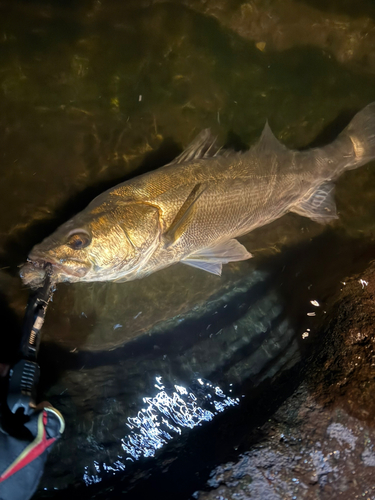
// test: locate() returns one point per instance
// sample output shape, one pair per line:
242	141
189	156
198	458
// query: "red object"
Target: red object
33	450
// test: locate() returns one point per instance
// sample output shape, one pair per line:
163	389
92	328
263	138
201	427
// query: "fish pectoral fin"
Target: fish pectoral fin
205	266
211	259
183	217
120	280
320	206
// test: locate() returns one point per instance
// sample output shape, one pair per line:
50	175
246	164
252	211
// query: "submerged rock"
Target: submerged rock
285	24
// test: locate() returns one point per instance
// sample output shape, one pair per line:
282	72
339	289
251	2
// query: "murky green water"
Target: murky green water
93	93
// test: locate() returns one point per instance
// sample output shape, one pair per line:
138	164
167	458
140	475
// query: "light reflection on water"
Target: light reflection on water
166	415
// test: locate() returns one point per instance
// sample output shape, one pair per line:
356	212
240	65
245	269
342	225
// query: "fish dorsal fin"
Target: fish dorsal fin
211	259
183	217
268	143
320	205
203	146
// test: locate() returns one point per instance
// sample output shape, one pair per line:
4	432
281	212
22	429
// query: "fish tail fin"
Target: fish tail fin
361	133
356	143
354	147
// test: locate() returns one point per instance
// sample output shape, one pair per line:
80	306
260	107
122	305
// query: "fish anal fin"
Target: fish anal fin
183	217
211	259
320	206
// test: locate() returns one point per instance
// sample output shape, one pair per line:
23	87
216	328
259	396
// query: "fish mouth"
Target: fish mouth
61	269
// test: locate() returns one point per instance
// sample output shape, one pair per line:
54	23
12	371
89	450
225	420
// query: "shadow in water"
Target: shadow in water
333	129
10	332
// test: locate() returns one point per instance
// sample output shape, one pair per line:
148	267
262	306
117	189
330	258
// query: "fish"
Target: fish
192	210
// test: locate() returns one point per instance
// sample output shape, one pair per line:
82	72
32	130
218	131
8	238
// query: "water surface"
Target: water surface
93	93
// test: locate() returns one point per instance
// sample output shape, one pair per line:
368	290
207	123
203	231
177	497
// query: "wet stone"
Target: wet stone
342	463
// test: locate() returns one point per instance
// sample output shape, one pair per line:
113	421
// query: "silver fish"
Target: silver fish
193	209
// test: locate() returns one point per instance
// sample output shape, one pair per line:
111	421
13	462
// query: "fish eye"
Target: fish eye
78	240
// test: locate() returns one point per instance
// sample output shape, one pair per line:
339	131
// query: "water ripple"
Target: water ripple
163	418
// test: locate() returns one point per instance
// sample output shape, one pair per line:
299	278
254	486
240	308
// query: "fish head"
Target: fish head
102	244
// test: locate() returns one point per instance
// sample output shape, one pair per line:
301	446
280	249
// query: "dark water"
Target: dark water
162	378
